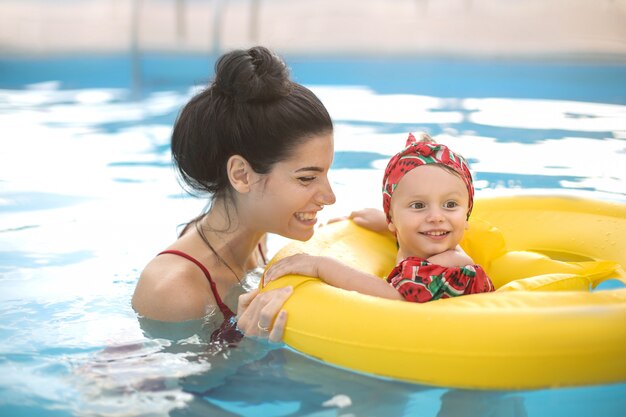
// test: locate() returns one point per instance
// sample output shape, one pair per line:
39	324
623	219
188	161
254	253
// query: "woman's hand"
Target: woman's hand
261	314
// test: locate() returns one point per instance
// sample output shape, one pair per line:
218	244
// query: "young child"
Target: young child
427	199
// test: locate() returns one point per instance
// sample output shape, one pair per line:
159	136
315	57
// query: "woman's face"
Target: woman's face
290	196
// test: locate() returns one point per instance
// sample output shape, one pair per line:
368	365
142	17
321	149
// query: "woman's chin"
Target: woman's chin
301	233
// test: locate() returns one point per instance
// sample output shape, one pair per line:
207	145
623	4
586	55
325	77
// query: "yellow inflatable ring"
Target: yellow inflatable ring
543	327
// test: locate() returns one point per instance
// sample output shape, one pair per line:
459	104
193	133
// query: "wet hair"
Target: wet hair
253	109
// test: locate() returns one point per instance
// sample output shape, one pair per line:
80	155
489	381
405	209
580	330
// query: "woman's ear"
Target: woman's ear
239	173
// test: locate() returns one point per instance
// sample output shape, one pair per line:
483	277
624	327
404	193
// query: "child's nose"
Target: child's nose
435	215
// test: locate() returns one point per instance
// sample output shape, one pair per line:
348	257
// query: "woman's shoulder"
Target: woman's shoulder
171	288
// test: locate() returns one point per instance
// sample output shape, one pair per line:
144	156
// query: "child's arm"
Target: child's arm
451	258
332	272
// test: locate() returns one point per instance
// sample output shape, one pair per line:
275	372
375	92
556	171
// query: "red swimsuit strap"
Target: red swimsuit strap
223	307
262	254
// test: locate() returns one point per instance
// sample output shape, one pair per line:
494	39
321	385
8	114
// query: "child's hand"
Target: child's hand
451	258
370	218
299	264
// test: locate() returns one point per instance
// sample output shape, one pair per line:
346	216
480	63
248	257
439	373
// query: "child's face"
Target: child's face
428	211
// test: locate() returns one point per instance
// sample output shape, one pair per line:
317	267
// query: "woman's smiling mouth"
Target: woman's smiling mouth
306	217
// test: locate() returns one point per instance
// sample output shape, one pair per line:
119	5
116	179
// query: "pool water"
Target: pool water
88	196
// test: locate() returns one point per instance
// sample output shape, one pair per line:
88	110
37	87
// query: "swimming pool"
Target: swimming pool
88	196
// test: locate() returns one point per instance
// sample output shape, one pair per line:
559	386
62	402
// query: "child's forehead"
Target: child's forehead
430	178
431	170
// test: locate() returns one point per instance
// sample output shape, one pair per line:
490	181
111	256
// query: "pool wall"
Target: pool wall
581	28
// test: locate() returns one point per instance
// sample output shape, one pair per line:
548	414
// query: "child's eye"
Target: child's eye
450	204
417	205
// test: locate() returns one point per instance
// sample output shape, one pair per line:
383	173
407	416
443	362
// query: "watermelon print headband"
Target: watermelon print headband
423	153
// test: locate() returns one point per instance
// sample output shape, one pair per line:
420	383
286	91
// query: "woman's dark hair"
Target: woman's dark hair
251	109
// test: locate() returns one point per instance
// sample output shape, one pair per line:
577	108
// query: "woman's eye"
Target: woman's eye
306	180
450	204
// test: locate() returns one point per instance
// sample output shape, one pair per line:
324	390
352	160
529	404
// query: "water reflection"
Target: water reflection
12	260
548	114
19	201
87	196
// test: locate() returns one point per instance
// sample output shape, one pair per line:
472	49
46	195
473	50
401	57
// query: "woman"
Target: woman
261	146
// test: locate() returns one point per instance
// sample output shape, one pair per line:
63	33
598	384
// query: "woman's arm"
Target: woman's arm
182	295
255	312
172	292
332	272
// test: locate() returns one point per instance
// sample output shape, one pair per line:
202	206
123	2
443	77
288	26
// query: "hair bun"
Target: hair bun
255	74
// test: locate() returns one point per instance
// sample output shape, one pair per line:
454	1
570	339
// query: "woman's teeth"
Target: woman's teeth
305	217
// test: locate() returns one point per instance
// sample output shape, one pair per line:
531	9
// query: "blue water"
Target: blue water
88	196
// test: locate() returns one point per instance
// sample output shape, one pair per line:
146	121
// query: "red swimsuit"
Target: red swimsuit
227	332
223	307
421	281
